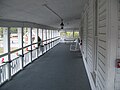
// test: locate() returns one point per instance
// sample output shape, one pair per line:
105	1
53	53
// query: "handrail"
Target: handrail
11	60
1	65
3	55
17	64
28	46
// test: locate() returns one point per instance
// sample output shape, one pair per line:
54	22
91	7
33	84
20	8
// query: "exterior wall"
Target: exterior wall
84	36
117	73
104	37
90	36
102	44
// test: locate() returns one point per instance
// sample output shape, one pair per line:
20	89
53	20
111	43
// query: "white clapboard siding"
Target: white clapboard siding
90	36
84	36
102	51
117	78
118	50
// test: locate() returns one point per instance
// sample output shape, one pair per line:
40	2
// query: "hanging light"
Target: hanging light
61	27
62	24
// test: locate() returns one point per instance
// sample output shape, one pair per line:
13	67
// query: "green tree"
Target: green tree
13	30
25	30
76	34
69	34
1	32
62	34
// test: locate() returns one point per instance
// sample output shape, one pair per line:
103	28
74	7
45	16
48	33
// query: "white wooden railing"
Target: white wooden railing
11	67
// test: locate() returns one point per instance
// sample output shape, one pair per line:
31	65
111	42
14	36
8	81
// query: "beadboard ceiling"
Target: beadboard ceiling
35	11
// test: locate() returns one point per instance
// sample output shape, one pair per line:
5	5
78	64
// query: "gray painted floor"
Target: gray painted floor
58	69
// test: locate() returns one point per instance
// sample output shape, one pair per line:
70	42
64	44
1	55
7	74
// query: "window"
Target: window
34	37
67	34
3	40
14	42
3	44
40	35
76	34
26	39
44	36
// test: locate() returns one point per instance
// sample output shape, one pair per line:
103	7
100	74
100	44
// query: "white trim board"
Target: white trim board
89	75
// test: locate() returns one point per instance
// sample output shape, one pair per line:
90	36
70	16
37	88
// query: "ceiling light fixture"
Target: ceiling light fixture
62	24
